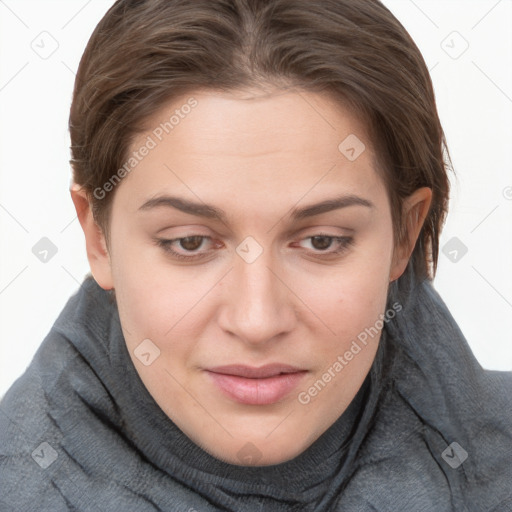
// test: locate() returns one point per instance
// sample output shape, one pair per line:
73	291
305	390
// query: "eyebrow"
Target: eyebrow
211	212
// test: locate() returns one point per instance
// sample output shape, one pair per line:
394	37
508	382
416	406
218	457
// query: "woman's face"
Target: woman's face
252	230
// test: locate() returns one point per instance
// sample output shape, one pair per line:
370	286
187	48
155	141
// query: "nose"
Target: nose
258	306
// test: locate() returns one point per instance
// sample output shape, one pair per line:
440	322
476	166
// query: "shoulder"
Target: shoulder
443	427
28	437
38	411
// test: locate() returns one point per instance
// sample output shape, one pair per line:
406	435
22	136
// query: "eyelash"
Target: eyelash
344	243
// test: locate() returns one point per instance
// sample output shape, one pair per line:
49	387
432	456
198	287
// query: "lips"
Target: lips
256	386
252	372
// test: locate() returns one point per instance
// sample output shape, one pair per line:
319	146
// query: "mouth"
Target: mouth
256	386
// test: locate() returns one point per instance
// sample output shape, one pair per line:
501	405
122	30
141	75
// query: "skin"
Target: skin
257	156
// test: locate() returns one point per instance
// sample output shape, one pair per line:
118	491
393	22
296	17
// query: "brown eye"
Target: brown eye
327	245
189	248
321	243
191	243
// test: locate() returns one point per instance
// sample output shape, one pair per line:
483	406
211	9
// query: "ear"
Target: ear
97	252
415	210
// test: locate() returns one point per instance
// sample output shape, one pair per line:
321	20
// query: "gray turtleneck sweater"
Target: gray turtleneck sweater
429	430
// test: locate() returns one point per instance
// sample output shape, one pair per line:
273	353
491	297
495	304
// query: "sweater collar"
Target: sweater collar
158	439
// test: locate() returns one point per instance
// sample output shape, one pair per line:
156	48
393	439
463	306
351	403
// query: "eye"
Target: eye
190	246
322	244
191	243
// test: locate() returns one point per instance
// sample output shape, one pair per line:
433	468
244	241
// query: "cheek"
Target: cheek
159	301
345	309
353	294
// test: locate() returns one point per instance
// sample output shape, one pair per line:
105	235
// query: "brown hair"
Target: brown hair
145	52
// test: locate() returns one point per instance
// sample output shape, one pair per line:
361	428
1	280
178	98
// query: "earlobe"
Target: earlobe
415	210
97	252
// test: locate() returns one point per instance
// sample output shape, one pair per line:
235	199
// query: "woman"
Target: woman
261	185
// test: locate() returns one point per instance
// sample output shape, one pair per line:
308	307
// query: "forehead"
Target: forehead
252	142
254	121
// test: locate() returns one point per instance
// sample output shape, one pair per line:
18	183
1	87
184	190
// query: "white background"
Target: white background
474	94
